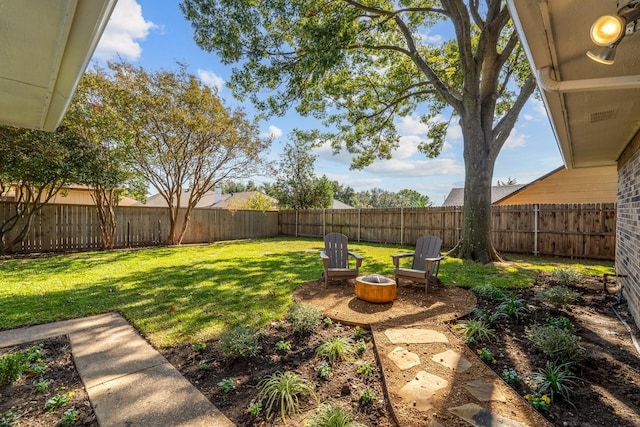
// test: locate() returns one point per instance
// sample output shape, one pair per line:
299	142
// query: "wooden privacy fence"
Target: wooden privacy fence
61	227
572	230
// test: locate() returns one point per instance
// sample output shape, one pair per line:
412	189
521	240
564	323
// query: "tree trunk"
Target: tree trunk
479	161
105	200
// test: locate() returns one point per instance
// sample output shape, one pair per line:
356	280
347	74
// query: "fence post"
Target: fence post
359	224
536	209
296	222
401	225
129	233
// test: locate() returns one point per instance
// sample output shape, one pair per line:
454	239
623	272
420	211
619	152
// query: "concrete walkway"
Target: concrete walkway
129	383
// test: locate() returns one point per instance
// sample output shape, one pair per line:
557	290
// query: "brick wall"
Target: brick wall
628	225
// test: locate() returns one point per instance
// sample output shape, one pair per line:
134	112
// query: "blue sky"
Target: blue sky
155	35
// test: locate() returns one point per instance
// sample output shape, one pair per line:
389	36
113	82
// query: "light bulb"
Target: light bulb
607	29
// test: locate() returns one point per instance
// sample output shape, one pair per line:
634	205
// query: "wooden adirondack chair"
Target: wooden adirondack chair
335	258
426	261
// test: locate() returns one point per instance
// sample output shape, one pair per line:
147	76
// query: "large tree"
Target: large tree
183	137
359	64
35	166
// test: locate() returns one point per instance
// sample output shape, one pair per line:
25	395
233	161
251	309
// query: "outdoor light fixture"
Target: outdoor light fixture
609	30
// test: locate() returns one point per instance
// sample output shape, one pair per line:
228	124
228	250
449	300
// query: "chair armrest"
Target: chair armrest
396	258
323	255
358	258
434	259
325	259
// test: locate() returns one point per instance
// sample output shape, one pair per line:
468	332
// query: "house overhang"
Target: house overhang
45	47
594	109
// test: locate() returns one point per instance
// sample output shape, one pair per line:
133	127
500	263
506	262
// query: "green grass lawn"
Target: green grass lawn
186	294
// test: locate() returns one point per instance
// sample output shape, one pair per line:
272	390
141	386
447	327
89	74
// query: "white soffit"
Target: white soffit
45	47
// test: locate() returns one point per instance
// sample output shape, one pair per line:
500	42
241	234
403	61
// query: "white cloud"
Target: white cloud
411	125
273	132
408	169
125	29
211	79
515	140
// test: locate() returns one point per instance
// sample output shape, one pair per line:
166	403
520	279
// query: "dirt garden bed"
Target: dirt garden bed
607	393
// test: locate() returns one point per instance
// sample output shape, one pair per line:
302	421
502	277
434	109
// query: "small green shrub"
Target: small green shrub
255	409
485	316
282	391
485	355
474	331
324	371
42	386
69	417
541	403
239	342
360	333
12	366
333	416
365	370
510	376
566	276
327	322
367	397
557	296
337	348
55	402
361	347
226	385
304	318
7	418
489	290
283	346
512	306
556	379
560	345
199	346
560	322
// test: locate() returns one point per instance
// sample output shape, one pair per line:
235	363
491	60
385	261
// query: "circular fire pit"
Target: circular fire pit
375	288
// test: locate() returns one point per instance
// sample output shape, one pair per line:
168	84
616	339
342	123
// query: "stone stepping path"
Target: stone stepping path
437	381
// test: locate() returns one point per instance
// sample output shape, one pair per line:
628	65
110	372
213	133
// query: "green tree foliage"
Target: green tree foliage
182	136
361	64
35	166
110	174
296	186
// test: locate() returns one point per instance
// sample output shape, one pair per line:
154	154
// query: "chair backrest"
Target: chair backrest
426	247
336	248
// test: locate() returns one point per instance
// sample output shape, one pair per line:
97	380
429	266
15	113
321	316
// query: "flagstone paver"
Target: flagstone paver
403	358
485	391
478	416
452	360
421	389
415	336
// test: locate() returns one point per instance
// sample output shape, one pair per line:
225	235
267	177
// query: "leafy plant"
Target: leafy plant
37	368
557	296
324	371
226	385
42	386
337	348
69	417
560	345
489	290
57	401
199	346
361	347
510	376
282	391
367	397
333	416
541	403
485	316
327	322
366	370
360	333
239	342
12	366
304	318
255	409
512	306
203	365
566	276
474	331
556	379
7	418
561	323
485	355
283	346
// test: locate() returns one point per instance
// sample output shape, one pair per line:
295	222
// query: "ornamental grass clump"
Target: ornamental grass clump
239	342
488	290
557	296
556	380
474	331
560	345
333	416
512	306
304	318
566	276
337	348
282	392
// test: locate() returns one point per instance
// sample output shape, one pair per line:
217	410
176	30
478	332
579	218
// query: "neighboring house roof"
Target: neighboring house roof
71	194
337	204
211	199
498	192
46	48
